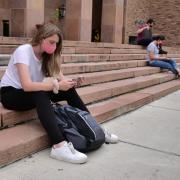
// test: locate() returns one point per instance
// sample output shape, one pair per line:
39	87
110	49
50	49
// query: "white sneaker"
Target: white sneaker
68	153
110	138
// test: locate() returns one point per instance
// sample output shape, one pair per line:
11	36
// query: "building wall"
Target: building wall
166	14
14	11
50	8
134	9
4	14
51	16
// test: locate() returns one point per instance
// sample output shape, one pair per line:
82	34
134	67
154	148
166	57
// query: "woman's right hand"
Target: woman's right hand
66	84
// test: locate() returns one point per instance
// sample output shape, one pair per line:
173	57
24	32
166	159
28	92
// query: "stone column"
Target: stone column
17	12
112	21
78	20
34	15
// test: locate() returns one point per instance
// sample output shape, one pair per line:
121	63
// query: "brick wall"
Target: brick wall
135	9
166	13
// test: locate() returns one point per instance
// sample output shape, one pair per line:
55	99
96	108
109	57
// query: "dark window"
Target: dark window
5	27
132	40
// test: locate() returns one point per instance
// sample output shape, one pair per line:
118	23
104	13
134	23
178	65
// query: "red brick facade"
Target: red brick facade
165	13
135	9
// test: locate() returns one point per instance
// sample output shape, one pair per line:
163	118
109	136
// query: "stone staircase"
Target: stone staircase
117	80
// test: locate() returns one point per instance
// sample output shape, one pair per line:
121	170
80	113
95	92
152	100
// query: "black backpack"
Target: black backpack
79	127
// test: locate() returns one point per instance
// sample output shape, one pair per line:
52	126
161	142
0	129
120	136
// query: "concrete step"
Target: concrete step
100	50
85	58
93	94
119	105
72	68
22	140
106	76
99	92
67	43
83	68
8	49
13	40
2	70
4	59
76	58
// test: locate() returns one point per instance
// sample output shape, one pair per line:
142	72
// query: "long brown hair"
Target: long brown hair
50	62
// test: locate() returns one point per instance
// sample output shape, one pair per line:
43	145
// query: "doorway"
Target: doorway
96	21
6	28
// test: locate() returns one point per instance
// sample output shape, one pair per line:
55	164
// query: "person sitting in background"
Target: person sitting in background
145	36
156	60
144	32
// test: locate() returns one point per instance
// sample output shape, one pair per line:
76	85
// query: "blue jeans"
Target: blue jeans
166	64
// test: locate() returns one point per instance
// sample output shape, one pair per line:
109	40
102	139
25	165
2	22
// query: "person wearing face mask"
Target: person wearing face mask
23	87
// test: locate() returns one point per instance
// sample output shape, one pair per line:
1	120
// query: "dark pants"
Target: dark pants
144	42
19	100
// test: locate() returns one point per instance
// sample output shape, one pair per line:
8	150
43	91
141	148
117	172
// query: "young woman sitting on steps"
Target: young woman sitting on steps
23	88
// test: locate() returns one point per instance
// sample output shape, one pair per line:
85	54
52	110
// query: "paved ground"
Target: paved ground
149	149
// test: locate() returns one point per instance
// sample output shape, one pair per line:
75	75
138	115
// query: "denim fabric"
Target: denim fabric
166	64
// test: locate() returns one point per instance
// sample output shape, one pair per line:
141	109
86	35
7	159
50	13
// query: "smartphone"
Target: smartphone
78	81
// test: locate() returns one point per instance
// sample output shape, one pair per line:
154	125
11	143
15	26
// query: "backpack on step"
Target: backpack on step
79	127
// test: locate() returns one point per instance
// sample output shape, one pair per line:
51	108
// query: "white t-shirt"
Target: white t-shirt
152	47
23	54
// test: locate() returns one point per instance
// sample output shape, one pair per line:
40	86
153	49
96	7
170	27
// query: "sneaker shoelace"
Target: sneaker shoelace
71	147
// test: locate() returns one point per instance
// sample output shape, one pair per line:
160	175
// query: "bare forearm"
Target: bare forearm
140	31
38	86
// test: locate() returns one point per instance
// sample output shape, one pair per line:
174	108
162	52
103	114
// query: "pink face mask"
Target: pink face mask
48	48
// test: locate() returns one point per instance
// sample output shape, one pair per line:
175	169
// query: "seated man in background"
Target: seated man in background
156	60
144	34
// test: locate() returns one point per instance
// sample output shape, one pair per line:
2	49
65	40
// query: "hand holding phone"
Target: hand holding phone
78	81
